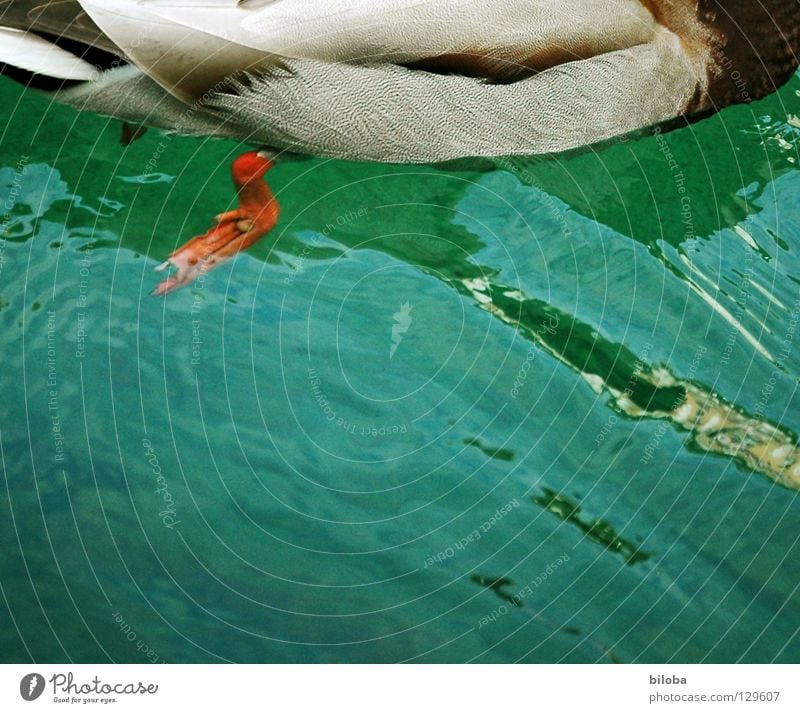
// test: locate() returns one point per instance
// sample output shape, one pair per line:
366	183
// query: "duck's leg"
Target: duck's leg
234	230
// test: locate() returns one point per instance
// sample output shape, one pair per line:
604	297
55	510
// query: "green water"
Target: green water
389	431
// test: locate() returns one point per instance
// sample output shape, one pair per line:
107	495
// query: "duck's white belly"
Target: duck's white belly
596	68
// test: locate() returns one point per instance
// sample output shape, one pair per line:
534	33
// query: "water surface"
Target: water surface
439	414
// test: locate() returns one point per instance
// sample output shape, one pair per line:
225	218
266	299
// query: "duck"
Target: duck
399	81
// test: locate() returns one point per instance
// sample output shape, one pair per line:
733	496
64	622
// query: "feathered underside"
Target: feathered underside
403	80
330	109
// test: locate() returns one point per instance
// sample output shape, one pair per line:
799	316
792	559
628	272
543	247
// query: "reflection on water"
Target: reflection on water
501	586
643	391
499	453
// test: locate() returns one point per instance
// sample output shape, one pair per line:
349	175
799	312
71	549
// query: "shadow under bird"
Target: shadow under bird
392	80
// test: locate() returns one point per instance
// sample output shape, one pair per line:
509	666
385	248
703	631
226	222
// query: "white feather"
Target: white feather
31	52
390	113
407	30
345	94
189	46
185	61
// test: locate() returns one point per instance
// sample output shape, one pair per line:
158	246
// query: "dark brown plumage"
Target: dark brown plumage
756	48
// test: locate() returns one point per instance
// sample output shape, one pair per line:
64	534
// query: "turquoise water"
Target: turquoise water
435	416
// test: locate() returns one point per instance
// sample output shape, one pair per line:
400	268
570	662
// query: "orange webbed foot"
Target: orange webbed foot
234	230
